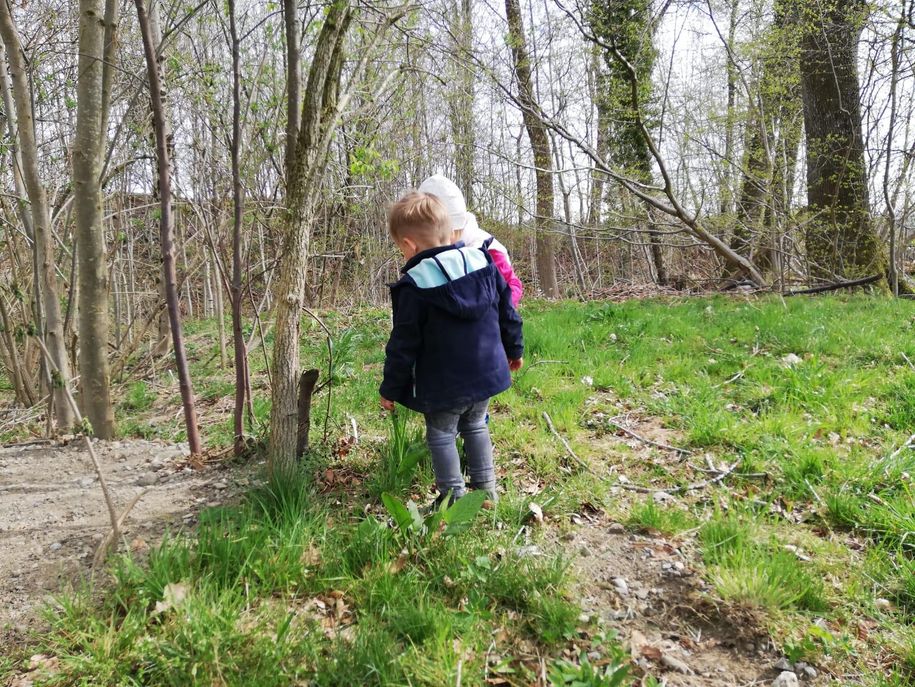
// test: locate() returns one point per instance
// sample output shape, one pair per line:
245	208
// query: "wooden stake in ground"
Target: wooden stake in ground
166	228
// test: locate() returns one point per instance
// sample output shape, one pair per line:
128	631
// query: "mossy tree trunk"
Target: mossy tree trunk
841	240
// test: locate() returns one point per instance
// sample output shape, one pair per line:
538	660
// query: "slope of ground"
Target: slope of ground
698	492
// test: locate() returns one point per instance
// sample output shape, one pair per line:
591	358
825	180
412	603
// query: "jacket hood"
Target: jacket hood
457	279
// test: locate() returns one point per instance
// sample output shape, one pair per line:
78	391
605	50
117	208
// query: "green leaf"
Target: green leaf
459	516
415	514
398	511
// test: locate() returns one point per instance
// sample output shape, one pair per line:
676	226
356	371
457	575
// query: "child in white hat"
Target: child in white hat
465	228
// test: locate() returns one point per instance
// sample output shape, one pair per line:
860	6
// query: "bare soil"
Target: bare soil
645	588
53	516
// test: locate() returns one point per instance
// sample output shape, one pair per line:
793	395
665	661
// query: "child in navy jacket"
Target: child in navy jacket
455	340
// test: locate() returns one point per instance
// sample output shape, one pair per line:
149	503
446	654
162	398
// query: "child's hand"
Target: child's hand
515	365
387	405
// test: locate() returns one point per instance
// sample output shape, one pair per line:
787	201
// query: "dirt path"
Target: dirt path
52	515
645	589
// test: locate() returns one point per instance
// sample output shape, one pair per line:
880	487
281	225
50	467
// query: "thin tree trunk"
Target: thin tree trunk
41	218
461	100
166	229
238	204
543	161
731	116
293	81
162	343
95	383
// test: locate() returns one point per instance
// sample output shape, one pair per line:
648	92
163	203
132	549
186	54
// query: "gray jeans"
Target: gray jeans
442	429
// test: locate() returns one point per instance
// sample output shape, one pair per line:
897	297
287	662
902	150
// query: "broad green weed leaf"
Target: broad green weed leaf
459	516
398	511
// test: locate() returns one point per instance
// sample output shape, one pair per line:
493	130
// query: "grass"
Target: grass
809	397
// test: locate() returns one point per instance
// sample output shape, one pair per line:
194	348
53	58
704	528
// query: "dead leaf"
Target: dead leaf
636	641
397	565
335	594
138	545
172	597
311	557
652	652
536	511
43	662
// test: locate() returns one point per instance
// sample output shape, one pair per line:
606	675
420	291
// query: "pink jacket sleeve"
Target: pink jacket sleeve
505	269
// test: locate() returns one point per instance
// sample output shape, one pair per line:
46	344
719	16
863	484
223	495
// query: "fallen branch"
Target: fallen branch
572	455
650	442
112	535
684	488
836	286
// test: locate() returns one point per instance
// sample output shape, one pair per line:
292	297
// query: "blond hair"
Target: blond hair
420	215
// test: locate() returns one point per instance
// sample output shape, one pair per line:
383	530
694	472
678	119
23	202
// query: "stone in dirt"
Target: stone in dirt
620	585
676	664
617	528
783	664
147	479
786	679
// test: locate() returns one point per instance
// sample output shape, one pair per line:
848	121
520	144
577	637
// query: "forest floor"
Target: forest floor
695	492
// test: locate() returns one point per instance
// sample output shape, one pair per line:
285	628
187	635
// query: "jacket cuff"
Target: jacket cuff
515	352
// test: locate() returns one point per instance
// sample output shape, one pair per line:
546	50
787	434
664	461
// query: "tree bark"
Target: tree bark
238	338
293	81
840	239
166	226
95	385
461	100
302	186
540	144
53	332
163	341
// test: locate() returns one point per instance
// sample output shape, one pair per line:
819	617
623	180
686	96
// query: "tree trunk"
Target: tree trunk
166	226
461	100
841	240
302	188
238	201
540	144
94	382
293	81
163	341
53	332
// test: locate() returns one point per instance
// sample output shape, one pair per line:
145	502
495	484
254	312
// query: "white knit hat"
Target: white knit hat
447	191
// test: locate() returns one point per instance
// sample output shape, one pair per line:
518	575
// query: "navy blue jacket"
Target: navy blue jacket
454	329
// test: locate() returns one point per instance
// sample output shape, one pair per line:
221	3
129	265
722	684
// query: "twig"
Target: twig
549	423
650	442
684	488
834	287
352	421
112	512
906	358
111	537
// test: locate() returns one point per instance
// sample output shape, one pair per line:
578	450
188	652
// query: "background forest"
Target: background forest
708	484
692	145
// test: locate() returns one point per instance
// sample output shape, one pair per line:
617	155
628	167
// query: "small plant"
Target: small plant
446	520
400	457
651	518
564	673
139	397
